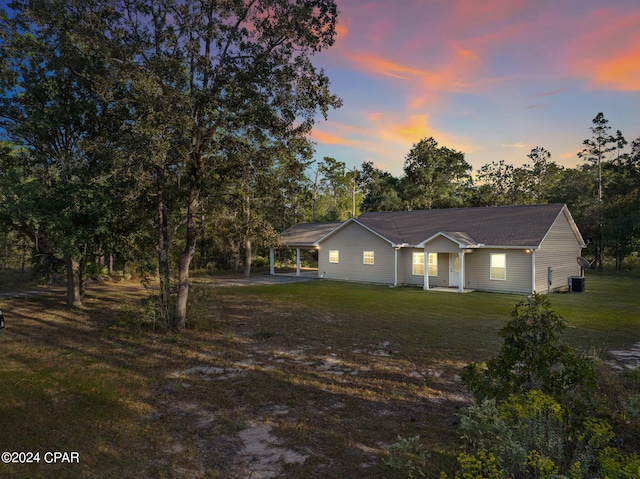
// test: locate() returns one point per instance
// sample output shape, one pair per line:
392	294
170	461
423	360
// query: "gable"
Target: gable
441	244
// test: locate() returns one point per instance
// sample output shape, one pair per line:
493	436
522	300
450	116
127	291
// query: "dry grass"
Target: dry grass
267	385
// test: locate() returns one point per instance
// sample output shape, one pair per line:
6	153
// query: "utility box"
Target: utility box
576	284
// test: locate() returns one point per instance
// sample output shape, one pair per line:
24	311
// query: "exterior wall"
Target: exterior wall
351	241
477	270
559	251
518	271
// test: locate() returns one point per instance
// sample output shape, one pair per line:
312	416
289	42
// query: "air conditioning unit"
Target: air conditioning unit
576	284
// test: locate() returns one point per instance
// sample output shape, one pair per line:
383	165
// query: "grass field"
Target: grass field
296	380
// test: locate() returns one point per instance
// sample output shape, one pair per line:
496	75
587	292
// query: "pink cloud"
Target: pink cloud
607	53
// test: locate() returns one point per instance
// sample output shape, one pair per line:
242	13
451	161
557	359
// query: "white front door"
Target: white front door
454	270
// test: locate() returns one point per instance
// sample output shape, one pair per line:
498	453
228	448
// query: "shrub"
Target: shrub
479	466
530	420
532	357
407	455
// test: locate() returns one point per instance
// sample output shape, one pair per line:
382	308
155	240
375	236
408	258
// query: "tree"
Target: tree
495	184
621	211
249	71
380	189
336	188
596	151
54	110
433	176
500	183
542	174
258	178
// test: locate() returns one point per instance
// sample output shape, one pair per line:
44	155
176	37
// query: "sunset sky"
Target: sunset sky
490	78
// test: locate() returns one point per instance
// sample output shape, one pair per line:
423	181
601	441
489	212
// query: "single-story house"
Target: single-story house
507	249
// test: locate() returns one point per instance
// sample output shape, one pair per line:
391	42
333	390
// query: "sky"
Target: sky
491	78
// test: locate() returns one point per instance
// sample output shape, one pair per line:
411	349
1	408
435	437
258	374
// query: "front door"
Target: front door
454	270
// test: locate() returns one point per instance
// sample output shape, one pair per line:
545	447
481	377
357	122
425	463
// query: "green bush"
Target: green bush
543	411
531	358
407	455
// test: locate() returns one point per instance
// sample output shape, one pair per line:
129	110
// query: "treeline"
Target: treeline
603	193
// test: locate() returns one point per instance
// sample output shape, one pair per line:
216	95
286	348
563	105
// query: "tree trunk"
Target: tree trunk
247	239
163	244
74	278
247	256
180	316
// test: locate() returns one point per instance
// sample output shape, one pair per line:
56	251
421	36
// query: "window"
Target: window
367	257
334	256
418	264
498	266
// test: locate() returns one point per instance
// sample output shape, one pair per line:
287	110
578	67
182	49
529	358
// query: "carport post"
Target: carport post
272	261
297	261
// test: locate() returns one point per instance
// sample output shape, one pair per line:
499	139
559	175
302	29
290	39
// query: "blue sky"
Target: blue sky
490	78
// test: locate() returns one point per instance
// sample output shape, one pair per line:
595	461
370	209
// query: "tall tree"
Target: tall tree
596	151
381	190
542	174
53	107
495	184
335	186
621	209
248	68
434	176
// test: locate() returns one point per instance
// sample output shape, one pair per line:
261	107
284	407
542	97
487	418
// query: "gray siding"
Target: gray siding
351	241
559	251
518	275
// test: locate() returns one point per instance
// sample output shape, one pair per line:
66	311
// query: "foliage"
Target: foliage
532	357
433	176
479	466
538	411
407	455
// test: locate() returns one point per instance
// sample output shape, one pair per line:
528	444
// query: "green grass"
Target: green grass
607	315
353	366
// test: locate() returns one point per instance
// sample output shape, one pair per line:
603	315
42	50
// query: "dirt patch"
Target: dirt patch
262	455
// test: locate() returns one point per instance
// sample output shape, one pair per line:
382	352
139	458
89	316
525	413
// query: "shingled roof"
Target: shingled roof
306	234
522	226
510	226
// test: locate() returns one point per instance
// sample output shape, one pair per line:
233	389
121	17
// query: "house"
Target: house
507	249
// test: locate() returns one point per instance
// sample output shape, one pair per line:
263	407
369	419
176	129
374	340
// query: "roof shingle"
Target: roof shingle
515	226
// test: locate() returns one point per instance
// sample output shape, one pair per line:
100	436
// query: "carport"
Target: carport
304	236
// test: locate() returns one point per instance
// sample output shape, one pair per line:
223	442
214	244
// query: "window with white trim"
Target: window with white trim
418	264
367	257
498	266
334	256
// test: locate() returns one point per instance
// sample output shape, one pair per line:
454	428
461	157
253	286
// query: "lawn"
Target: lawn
296	380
